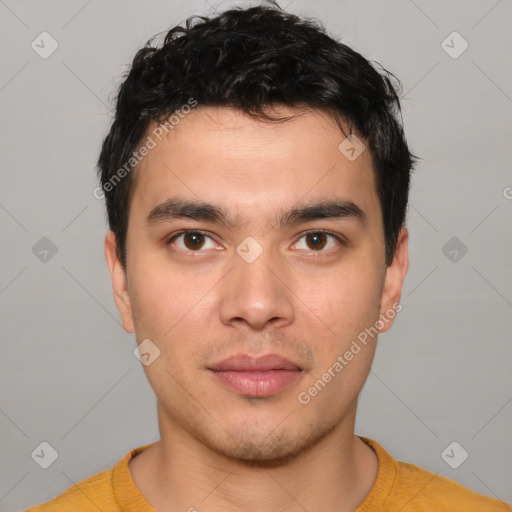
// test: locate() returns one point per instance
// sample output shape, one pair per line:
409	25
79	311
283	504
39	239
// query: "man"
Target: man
256	177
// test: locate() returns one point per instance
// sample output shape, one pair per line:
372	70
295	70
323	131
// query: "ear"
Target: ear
393	282
119	282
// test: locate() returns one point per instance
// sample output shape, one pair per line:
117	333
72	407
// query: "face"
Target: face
255	262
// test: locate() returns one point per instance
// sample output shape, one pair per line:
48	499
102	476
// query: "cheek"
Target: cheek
168	312
346	299
344	352
174	309
163	297
348	306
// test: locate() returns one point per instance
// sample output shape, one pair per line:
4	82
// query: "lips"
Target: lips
247	363
258	377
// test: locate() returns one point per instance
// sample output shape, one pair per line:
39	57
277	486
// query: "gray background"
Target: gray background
68	375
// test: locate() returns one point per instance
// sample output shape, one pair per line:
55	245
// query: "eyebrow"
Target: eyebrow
176	208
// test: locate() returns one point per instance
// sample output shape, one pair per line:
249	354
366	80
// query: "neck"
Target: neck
181	473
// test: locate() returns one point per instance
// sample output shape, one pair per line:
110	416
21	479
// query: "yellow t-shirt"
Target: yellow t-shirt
399	487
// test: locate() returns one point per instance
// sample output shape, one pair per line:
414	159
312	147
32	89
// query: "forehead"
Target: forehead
222	156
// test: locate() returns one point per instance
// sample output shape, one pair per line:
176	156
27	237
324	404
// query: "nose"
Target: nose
256	293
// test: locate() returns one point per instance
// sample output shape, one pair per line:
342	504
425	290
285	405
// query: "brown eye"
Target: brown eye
192	241
319	241
316	241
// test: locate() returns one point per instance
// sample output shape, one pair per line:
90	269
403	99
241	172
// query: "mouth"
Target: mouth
256	377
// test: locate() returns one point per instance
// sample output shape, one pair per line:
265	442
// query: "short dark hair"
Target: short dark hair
250	59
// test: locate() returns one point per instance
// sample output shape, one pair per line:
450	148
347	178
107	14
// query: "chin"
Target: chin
259	448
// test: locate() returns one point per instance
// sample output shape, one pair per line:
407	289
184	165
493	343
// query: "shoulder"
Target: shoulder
112	490
93	493
425	488
410	488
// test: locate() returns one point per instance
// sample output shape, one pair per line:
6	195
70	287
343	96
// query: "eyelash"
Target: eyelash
339	238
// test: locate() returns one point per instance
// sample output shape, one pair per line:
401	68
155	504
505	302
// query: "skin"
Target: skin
219	450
